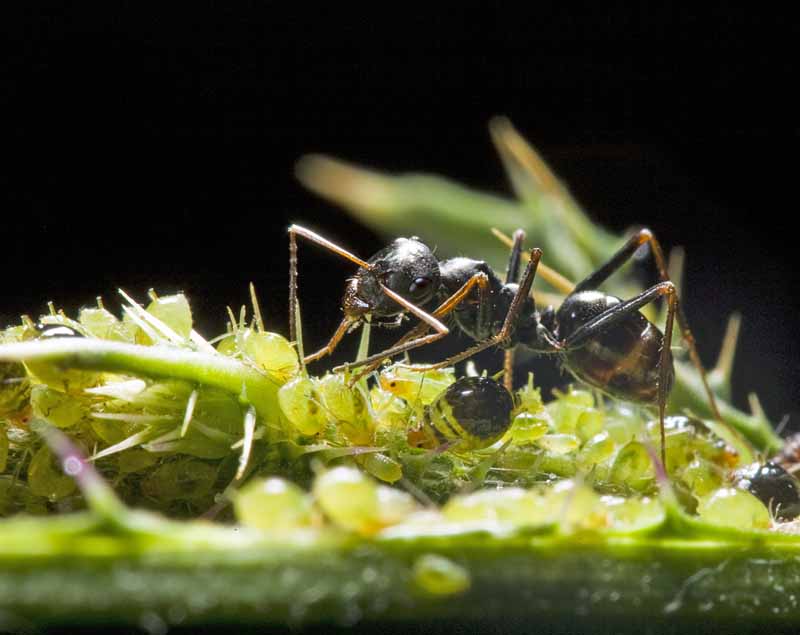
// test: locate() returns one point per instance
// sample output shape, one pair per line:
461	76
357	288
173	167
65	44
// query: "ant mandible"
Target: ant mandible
600	339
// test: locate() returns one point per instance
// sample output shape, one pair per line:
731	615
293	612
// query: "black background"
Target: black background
155	147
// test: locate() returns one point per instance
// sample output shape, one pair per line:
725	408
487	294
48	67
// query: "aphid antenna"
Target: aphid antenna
232	323
219	338
256	308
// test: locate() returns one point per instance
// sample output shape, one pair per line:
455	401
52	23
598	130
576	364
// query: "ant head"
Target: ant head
407	267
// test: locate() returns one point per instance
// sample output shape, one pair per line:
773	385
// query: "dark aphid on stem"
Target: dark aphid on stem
773	486
472	413
600	339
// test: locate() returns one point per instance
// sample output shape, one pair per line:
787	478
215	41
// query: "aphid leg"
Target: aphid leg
416	337
294	231
509	323
617	260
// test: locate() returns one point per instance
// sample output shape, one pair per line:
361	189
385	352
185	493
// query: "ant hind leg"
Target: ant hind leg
645	236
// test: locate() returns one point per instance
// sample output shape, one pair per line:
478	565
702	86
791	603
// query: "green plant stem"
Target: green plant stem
251	386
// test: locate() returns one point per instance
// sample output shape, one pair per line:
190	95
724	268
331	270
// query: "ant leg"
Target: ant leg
337	336
508	324
297	230
508	369
512	275
617	260
515	257
292	286
551	276
415	338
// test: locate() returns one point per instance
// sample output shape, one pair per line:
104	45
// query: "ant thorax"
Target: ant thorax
478	320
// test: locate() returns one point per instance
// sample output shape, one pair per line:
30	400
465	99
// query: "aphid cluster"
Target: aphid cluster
174	444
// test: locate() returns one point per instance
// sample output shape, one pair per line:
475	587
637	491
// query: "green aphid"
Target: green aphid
102	324
389	413
46	478
529	399
173	311
14	388
733	507
273	504
345	407
16	497
416	388
268	351
351	500
382	467
528	427
57	408
135	460
439	576
701	477
569	408
61	379
599	449
186	479
302	406
633	467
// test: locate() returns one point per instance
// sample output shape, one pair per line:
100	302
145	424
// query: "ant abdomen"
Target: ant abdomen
622	361
473	412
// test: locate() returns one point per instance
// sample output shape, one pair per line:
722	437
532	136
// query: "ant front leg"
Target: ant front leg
297	230
509	324
416	337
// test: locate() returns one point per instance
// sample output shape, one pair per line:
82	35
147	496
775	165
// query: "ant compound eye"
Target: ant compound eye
419	285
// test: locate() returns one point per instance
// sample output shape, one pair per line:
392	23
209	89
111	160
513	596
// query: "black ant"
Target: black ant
600	339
